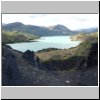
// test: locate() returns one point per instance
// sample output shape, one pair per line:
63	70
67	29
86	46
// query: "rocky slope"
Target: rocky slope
76	66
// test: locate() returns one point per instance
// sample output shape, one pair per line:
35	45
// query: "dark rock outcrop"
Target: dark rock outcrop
29	55
10	71
93	56
32	58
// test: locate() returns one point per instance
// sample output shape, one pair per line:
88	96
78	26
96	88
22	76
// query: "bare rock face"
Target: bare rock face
10	71
19	69
29	55
32	58
93	56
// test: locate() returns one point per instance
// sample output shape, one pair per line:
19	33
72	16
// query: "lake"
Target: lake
60	42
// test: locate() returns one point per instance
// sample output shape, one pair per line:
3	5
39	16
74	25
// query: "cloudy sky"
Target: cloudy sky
72	21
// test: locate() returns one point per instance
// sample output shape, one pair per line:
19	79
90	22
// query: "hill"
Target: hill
16	36
82	36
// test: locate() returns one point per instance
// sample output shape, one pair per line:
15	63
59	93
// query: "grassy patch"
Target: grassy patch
16	36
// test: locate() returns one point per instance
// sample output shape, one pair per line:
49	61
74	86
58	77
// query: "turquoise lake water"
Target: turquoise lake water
60	42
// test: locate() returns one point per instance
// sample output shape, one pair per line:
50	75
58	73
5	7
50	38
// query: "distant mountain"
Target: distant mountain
55	30
60	28
38	30
89	30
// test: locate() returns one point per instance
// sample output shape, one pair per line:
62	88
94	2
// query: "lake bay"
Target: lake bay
60	42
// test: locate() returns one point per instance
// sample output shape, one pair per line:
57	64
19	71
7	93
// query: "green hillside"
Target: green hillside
83	36
16	36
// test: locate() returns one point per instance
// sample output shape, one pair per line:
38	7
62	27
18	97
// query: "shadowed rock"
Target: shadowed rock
93	56
29	55
32	58
10	71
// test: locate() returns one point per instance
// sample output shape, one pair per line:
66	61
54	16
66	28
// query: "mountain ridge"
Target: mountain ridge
36	30
54	30
89	30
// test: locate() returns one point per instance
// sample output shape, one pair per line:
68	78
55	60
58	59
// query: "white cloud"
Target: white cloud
72	21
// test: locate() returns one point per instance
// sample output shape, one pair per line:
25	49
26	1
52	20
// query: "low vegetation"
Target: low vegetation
16	36
83	36
69	58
